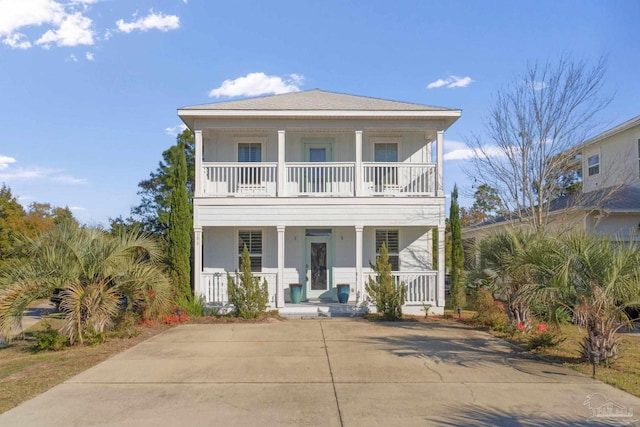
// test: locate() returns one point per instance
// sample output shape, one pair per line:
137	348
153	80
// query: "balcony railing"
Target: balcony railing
415	179
318	179
335	179
243	179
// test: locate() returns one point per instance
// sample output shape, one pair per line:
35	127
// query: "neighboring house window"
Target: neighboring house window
249	152
593	163
639	156
390	238
386	152
253	240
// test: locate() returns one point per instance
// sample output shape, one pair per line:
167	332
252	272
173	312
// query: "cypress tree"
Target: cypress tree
179	230
458	297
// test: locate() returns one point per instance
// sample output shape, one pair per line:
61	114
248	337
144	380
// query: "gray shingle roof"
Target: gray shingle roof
316	100
626	198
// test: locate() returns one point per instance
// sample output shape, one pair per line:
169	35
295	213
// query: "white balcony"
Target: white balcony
330	179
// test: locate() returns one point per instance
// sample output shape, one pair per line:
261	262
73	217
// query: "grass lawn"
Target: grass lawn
25	373
623	373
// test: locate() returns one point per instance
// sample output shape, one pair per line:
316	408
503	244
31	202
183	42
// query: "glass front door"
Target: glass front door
318	266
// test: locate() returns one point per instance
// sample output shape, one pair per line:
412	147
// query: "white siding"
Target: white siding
619	161
324	215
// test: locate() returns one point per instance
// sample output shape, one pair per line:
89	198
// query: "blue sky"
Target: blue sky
89	88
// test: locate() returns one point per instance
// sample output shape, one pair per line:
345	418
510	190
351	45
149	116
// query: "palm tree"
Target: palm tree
594	278
93	273
500	260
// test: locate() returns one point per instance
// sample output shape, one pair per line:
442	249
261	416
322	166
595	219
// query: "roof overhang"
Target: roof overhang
189	116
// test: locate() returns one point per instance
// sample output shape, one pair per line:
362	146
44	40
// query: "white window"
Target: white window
250	152
390	238
252	239
593	164
385	152
639	156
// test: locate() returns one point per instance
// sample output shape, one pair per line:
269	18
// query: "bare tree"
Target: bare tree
533	129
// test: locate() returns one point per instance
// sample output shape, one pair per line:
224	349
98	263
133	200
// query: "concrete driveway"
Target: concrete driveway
331	372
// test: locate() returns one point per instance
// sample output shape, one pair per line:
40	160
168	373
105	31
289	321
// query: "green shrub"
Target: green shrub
193	305
489	312
125	325
248	296
388	297
545	339
50	339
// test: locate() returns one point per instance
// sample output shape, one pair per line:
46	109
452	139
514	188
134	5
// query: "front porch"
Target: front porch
421	290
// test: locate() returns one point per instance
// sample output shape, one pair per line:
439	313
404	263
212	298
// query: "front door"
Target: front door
318	264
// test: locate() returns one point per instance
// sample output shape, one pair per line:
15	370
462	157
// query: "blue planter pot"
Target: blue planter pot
295	290
343	293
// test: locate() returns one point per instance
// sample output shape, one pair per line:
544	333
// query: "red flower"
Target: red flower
542	327
520	326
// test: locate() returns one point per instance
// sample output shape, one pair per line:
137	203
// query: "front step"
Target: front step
320	309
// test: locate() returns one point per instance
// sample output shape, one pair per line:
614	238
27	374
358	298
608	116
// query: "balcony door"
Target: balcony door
317	150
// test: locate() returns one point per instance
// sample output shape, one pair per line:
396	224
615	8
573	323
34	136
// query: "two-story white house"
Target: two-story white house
609	201
313	183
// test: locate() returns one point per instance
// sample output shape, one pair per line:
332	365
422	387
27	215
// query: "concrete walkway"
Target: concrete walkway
330	372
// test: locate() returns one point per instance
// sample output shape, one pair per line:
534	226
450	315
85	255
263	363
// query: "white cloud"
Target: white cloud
107	35
254	84
456	150
5	161
36	173
74	30
72	57
15	14
451	82
17	41
89	56
76	208
153	21
175	130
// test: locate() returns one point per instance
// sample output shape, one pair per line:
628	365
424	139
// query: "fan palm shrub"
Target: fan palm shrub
93	274
591	276
501	264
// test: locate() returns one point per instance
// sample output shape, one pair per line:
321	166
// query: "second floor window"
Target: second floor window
593	163
385	152
249	152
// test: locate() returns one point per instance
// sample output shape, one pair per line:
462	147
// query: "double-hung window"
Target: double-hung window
252	239
390	238
385	152
593	164
249	152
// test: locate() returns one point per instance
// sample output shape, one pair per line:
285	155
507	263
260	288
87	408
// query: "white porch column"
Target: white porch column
281	170
198	191
280	278
440	160
359	278
197	263
441	268
358	171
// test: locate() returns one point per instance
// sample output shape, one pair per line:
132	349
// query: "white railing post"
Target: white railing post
281	158
358	174
359	278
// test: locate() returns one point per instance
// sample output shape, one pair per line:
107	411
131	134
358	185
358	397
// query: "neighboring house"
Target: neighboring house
609	202
313	183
